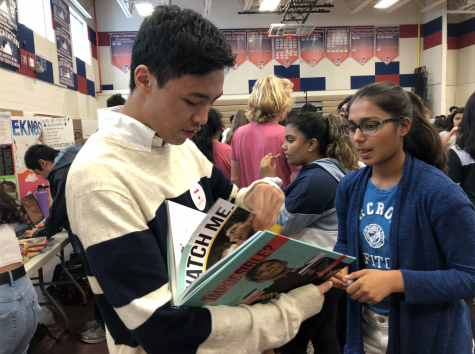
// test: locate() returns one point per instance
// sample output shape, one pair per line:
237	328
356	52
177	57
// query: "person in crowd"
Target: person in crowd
270	100
462	155
115	100
343	106
239	121
292	113
452	109
326	155
226	131
177	72
207	141
19	308
415	261
451	127
439	123
308	107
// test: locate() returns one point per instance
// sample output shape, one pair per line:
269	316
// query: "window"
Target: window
79	37
36	15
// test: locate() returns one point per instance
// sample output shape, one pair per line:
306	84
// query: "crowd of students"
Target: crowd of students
374	180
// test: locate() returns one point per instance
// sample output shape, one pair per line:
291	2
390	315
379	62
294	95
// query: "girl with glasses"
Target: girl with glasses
415	261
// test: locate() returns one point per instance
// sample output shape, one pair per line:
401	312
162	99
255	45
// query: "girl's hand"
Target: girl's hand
454	130
267	169
338	281
372	285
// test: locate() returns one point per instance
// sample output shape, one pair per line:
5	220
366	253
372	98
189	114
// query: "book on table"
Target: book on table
218	259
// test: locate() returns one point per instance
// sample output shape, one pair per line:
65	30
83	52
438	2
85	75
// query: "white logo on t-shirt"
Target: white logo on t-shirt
374	235
198	196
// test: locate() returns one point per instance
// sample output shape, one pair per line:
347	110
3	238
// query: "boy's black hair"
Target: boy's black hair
173	42
451	108
251	273
39	152
231	118
308	107
115	100
346	100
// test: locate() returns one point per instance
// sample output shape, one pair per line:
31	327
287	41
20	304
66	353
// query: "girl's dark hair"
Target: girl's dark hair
466	136
449	121
204	138
422	141
10	211
332	142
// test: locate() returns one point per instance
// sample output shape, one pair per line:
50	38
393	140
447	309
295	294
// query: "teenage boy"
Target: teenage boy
115	100
139	158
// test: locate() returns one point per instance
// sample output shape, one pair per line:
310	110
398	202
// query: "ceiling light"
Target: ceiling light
124	8
384	4
81	9
269	5
144	8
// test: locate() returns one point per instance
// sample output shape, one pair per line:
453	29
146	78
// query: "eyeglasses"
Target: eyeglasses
368	127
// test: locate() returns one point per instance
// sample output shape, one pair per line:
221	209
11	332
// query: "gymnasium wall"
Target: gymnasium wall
41	93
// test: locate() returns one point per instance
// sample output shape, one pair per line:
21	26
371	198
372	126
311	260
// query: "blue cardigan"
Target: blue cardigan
432	242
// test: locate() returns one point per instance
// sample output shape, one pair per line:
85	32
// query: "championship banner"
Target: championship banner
9	47
312	49
60	13
8	13
362	44
337	44
237	42
387	43
259	47
286	50
66	76
121	49
63	42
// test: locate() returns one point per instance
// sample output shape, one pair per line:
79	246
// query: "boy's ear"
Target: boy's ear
42	163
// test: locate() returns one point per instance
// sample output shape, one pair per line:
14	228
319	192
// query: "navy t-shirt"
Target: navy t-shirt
374	225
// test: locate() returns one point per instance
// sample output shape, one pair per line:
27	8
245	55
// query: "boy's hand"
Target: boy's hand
372	285
338	281
265	202
29	233
266	168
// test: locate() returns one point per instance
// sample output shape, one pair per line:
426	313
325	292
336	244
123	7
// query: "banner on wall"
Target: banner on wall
286	50
337	44
8	13
387	43
9	47
63	42
362	44
237	41
121	49
312	48
259	47
26	132
60	13
66	75
58	133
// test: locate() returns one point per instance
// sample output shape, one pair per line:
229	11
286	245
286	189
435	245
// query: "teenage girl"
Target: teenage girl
309	215
414	259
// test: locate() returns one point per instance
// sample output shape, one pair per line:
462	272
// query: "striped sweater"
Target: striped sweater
115	196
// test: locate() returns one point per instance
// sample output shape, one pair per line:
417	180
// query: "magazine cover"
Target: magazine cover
265	266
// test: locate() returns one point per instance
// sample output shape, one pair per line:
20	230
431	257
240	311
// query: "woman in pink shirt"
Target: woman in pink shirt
207	141
269	102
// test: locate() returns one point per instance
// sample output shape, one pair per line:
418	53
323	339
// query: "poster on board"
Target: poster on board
9	47
8	13
312	49
66	75
286	50
121	49
5	129
26	132
387	43
337	44
58	133
7	166
60	12
259	47
237	41
63	42
362	44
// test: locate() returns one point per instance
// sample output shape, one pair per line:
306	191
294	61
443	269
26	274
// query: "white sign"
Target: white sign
5	129
58	133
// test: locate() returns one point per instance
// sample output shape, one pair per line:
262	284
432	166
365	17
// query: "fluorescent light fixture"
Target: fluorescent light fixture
144	8
80	8
124	8
269	5
383	4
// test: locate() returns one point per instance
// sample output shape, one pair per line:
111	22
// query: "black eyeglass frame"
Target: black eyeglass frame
358	126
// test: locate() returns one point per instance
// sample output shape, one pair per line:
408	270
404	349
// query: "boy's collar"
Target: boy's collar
128	129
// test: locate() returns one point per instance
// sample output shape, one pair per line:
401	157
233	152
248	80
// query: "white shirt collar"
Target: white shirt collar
127	129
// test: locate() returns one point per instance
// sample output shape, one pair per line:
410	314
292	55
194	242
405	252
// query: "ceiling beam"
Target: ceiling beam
361	6
125	8
247	5
397	5
427	8
461	11
349	5
207	7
